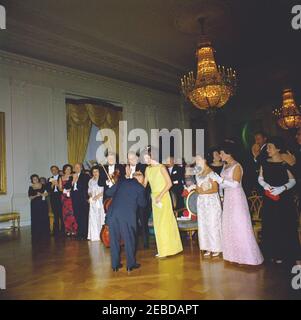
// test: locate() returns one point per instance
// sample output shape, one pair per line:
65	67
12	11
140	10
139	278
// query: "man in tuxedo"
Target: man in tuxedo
79	195
55	200
110	168
128	195
177	177
259	149
143	213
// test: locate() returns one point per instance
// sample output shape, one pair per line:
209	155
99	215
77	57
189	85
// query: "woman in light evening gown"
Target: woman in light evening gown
165	224
96	213
238	239
65	185
209	210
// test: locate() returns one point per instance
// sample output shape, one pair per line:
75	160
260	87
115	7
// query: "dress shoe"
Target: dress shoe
117	268
135	266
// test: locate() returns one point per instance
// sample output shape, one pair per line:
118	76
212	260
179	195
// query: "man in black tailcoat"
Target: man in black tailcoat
79	195
55	200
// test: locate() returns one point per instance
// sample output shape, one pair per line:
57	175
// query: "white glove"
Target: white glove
215	177
109	183
290	184
265	185
230	184
222	182
277	190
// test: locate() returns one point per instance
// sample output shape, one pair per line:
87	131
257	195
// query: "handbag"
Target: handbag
271	196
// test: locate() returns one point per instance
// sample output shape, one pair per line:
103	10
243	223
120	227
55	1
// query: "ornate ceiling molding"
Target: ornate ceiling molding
95	54
127	90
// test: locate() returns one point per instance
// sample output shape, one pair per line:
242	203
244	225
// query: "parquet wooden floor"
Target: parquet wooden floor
69	269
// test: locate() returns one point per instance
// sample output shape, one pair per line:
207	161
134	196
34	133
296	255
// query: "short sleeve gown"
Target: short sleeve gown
39	214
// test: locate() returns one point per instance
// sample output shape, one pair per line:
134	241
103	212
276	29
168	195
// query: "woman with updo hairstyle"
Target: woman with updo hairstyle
38	208
65	185
165	224
214	160
238	239
279	215
209	210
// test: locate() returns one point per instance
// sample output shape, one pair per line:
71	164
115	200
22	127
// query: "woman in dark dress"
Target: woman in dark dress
279	218
215	160
39	208
65	185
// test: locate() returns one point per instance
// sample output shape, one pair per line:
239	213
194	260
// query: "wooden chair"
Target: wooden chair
188	226
255	205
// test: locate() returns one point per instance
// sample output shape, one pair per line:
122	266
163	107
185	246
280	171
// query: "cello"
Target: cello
104	233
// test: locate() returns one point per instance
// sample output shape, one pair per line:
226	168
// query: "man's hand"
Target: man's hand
289	158
158	199
255	150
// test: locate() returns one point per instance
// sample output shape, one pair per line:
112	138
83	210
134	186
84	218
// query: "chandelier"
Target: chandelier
288	115
213	85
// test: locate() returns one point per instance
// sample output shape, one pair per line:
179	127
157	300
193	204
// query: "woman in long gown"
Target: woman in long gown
279	216
65	185
165	225
38	208
96	212
209	210
238	239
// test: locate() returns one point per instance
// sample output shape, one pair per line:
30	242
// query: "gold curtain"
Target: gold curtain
79	121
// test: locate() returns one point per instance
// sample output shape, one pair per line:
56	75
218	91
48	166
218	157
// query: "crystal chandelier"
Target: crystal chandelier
214	85
288	115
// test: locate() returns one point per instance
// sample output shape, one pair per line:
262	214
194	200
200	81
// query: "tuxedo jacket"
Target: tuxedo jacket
262	157
103	176
177	177
49	188
128	195
82	185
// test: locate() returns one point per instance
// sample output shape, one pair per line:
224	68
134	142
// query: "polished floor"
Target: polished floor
69	269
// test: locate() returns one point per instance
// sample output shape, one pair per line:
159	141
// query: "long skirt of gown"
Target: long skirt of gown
279	228
39	218
68	215
166	228
239	242
209	222
96	220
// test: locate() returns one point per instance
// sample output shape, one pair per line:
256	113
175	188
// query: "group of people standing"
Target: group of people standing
226	226
75	199
224	220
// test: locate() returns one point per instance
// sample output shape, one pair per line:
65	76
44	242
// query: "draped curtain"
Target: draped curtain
79	121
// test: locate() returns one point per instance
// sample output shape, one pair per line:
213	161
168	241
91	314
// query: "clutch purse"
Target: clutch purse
271	196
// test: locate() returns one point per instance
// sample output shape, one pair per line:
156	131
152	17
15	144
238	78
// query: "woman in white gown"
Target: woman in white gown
96	212
209	210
